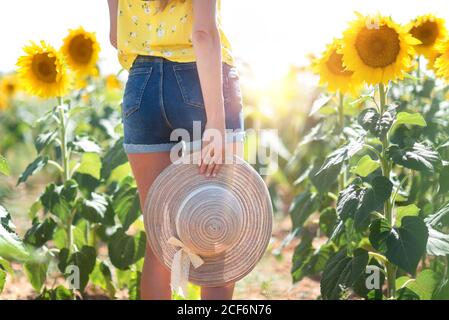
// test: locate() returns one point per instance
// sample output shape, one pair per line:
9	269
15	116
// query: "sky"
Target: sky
269	35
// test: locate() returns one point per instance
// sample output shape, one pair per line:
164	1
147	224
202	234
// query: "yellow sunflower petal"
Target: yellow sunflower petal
333	73
441	65
9	86
377	49
41	71
81	50
429	30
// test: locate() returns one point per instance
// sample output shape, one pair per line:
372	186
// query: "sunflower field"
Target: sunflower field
360	184
379	179
90	197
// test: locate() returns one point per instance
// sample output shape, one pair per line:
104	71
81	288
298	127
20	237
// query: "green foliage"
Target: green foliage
405	245
86	206
343	272
391	165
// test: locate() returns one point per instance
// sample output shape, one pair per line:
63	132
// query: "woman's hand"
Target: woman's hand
213	148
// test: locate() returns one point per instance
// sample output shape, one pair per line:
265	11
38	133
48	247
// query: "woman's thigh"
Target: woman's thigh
146	167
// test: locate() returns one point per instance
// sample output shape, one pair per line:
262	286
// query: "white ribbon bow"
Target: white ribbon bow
181	266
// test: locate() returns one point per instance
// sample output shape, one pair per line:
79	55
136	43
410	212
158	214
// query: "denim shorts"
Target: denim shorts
163	97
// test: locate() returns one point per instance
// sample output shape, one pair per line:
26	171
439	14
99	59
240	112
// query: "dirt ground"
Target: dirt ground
270	280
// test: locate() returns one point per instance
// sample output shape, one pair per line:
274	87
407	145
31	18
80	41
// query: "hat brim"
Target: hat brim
166	196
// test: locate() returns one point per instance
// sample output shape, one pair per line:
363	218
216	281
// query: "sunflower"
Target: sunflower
333	73
429	30
42	71
9	86
113	83
377	49
81	50
441	65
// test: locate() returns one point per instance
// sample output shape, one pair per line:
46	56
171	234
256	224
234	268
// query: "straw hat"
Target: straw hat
211	231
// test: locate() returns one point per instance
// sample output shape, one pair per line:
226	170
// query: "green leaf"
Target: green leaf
324	180
365	166
45	139
419	157
372	121
125	250
134	285
80	232
342	154
424	285
342	272
4	168
101	277
308	261
83	259
94	209
403	246
57	199
2	279
11	247
91	165
126	204
40	232
444	180
302	207
328	220
34	209
439	218
319	103
115	157
442	291
59	293
438	243
410	119
33	168
357	202
406	211
87	145
36	272
368	118
383	125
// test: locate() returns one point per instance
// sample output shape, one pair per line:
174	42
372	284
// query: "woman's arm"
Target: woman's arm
113	7
207	45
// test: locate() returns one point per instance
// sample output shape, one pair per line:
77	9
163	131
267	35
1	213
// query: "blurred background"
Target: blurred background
273	41
269	36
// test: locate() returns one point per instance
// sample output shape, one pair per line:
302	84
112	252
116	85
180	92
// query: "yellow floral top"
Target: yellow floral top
144	30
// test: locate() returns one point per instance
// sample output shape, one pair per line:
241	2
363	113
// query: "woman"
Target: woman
181	74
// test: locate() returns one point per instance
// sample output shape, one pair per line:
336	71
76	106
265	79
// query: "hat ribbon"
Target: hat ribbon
181	266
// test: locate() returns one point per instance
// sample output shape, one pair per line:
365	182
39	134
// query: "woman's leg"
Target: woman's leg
219	293
155	283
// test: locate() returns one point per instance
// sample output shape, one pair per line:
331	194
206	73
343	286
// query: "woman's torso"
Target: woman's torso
142	30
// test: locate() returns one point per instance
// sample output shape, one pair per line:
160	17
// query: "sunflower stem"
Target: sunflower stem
65	165
341	124
63	137
391	269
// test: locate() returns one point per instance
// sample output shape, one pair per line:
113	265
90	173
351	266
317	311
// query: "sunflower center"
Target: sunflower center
44	68
335	65
10	89
378	48
427	32
81	49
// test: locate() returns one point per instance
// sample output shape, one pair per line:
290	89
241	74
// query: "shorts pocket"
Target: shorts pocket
189	84
135	88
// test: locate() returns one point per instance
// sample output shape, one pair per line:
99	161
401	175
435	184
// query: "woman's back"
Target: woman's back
143	29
